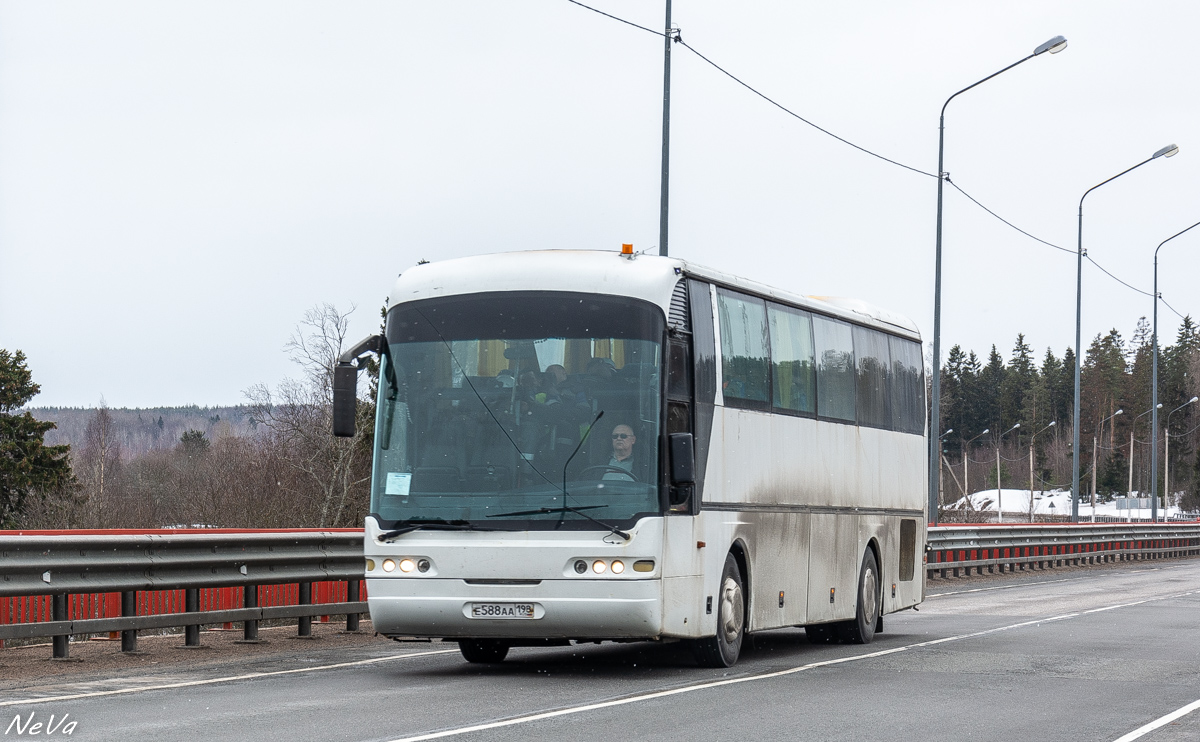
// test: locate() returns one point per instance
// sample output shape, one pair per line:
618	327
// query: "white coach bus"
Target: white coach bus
587	446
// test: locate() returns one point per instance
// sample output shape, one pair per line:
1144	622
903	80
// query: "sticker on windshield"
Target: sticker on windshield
397	483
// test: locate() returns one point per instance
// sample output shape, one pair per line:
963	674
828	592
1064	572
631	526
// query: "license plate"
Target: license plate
502	610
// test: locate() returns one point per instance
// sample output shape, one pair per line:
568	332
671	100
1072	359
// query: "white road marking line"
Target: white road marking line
643	697
749	678
247	676
1144	730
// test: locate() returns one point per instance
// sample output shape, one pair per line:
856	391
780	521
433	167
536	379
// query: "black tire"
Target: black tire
862	629
723	649
485	651
820	633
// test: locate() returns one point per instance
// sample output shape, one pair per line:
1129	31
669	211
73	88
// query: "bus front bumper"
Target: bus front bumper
563	609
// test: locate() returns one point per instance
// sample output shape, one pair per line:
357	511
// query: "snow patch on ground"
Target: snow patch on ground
1056	502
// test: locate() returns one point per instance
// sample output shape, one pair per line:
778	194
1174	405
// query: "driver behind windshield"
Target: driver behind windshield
623	441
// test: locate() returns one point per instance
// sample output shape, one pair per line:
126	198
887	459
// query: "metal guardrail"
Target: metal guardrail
53	565
957	550
67	564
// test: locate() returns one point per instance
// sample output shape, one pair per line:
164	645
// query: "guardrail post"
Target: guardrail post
304	630
352	597
249	626
58	612
129	608
191	604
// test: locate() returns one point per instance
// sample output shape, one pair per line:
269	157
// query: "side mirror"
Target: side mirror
345	399
345	385
683	458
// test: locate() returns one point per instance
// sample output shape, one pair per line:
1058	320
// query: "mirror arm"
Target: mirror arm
372	344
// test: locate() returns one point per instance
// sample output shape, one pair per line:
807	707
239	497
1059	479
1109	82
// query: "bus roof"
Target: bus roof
648	277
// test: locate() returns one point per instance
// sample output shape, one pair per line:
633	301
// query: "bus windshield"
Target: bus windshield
488	405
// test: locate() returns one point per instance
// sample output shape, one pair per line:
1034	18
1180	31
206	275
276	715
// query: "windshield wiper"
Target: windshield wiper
569	509
433	525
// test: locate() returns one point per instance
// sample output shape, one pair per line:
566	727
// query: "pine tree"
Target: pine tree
991	380
1019	377
27	465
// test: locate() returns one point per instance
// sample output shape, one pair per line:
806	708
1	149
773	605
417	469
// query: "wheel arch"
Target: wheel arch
741	555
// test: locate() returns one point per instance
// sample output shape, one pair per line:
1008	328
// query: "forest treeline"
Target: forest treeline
271	463
995	395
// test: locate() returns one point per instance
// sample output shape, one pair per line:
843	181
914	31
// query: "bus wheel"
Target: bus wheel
862	629
486	651
723	649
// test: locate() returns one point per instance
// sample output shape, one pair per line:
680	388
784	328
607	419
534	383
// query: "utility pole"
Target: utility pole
666	136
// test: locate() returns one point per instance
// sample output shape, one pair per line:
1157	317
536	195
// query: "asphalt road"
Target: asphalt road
1073	655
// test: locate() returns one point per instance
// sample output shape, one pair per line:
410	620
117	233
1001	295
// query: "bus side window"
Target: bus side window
745	354
908	387
872	358
835	368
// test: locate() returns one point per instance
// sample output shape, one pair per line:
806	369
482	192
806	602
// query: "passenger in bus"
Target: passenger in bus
601	369
623	441
556	375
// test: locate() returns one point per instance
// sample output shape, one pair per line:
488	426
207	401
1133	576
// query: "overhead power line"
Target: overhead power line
615	18
678	38
792	113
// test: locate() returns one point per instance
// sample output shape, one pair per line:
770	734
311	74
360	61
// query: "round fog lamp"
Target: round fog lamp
598	567
618	567
422	565
389	565
407	565
580	566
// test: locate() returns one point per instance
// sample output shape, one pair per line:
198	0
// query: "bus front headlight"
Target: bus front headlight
389	565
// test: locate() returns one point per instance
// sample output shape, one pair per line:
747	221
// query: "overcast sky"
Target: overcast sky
180	181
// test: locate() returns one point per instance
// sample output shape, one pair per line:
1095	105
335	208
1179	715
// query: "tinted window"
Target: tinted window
835	368
908	387
872	359
793	362
745	369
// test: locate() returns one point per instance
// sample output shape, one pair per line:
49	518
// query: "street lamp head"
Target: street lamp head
1052	424
1118	412
986	430
1054	46
1193	399
1168	151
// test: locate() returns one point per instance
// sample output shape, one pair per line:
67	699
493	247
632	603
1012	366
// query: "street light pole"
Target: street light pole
1032	438
1095	459
941	479
1169	151
966	488
1054	46
1167	450
999	496
1154	390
